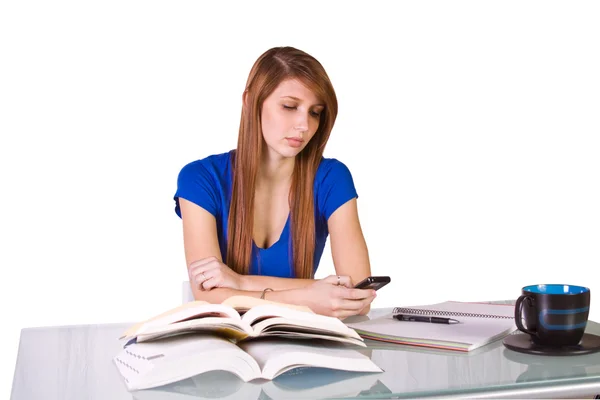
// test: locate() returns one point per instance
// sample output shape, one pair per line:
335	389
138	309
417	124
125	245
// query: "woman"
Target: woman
256	219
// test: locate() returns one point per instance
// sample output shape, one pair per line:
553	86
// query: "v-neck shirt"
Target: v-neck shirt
208	184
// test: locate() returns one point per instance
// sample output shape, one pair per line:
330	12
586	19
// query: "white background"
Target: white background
471	130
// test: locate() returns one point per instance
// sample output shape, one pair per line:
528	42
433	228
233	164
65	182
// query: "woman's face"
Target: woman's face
290	118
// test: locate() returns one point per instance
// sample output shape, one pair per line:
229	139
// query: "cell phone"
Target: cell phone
373	282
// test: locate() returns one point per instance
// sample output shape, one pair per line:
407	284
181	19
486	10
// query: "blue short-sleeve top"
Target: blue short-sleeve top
208	183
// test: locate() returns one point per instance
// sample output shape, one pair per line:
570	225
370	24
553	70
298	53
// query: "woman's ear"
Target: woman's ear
245	98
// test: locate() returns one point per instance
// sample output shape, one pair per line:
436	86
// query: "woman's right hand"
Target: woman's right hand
334	296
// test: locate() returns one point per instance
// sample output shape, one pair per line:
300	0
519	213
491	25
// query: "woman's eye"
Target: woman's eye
289	107
315	113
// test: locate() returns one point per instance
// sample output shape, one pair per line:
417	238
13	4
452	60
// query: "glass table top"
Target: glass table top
74	362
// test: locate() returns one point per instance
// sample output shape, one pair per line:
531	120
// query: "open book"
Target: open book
241	318
479	324
172	359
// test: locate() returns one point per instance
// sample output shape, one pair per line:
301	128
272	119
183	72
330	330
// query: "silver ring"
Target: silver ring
204	275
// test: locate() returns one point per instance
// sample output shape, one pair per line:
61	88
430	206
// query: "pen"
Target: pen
422	318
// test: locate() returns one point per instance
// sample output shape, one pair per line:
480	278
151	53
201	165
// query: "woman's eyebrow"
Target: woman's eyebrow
300	100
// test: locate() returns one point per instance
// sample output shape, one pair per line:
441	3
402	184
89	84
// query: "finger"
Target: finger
352	305
205	268
345	314
211	283
211	279
345	281
348	308
202	261
197	284
198	280
340	280
201	277
358	294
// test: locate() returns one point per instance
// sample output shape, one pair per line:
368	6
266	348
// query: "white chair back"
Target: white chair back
186	292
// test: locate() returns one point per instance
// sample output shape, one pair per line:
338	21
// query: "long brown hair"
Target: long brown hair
269	70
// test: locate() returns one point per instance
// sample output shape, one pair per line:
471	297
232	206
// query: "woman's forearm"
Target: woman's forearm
259	283
218	295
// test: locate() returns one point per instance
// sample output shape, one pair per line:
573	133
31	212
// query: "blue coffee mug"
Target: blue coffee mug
554	314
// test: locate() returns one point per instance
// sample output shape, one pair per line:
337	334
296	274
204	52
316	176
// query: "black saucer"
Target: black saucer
522	343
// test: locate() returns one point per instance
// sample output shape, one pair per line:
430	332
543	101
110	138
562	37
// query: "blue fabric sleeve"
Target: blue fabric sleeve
196	184
336	189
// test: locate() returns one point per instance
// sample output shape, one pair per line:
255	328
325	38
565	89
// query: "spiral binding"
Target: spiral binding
401	310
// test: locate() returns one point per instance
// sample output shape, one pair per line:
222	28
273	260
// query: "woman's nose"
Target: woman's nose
302	122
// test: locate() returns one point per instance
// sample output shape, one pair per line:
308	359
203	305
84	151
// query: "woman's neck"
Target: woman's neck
275	171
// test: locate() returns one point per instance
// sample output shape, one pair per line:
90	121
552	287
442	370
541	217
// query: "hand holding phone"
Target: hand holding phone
373	282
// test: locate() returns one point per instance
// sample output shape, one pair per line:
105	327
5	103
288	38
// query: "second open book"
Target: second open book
157	363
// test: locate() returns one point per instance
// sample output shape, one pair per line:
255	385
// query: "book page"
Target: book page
275	356
151	364
245	303
195	309
232	307
325	325
270	310
313	334
227	327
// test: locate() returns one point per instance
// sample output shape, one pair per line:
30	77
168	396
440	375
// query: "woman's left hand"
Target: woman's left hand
209	273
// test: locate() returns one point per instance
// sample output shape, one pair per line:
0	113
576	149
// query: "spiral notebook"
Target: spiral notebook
480	324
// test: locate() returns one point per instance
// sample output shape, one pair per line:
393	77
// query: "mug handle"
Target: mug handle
518	308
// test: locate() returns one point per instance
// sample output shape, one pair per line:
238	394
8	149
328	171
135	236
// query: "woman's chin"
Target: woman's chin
284	151
289	152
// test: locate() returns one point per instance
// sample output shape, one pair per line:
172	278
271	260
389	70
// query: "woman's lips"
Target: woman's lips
294	142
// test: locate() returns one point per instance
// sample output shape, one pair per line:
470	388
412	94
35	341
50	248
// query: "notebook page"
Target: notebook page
470	333
456	309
